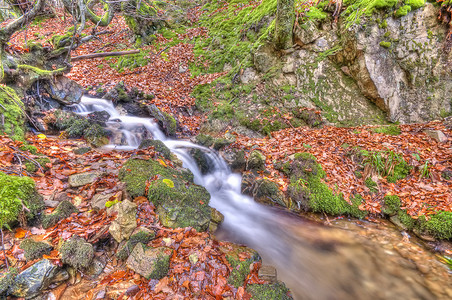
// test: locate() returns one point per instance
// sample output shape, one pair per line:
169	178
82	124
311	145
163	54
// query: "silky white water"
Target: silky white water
315	262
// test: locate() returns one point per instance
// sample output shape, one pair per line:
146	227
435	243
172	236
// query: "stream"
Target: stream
349	260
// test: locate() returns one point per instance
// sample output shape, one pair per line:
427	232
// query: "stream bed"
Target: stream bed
350	259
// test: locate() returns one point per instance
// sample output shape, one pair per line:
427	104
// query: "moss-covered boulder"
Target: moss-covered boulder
179	202
15	193
64	209
201	159
256	161
12	109
240	258
96	135
77	253
151	263
7	279
141	235
165	120
275	290
159	147
307	190
267	192
34	250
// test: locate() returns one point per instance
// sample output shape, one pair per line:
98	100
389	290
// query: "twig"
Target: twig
103	54
4	251
27	157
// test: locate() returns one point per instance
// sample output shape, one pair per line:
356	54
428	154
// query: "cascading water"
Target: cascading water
316	262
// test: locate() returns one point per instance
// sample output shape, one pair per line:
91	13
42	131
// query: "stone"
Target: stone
235	159
96	267
77	253
99	117
159	147
289	65
164	119
256	161
151	263
437	135
307	33
125	223
7	279
267	273
65	90
33	280
275	290
63	210
249	75
140	235
216	219
34	250
264	58
241	258
82	179
99	200
82	150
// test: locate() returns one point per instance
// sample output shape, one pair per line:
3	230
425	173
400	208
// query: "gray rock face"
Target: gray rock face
32	281
82	179
151	263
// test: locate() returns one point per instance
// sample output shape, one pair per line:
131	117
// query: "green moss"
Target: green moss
32	167
35	250
40	72
389	129
77	253
29	148
402	11
358	8
406	220
385	44
7	279
77	128
256	161
391	205
12	109
415	4
96	135
372	185
267	291
439	225
64	209
315	13
16	192
161	264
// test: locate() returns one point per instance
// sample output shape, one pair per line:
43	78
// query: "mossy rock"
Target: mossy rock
267	192
16	192
391	205
96	135
77	253
256	161
64	210
307	190
151	263
204	140
31	166
12	108
159	147
240	267
439	225
167	122
141	235
34	250
201	159
7	279
77	128
267	291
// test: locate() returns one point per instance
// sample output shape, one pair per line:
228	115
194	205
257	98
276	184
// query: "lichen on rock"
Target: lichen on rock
77	253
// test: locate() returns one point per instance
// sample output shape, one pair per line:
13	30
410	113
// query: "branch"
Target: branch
104	54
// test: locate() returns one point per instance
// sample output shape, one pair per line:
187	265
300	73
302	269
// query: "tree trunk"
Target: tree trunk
285	16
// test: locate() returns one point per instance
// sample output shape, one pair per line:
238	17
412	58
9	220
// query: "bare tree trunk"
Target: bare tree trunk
285	16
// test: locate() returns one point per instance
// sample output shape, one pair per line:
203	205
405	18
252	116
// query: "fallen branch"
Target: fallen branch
103	54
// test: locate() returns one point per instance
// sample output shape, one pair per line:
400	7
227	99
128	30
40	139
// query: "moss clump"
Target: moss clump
391	205
32	167
77	128
16	192
256	161
159	147
402	11
390	130
77	253
357	8
7	279
12	108
35	250
439	225
64	210
315	13
29	148
415	4
372	185
275	290
385	44
143	236
307	190
204	140
401	170
161	264
240	267
96	135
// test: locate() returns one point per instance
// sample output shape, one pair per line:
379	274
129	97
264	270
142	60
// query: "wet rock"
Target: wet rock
267	273
151	263
201	159
164	119
241	258
34	250
235	159
64	90
220	143
96	136
99	200
33	280
159	147
216	219
77	253
63	210
141	235
437	135
256	161
82	179
118	94
125	223
82	150
203	140
269	291
267	192
99	117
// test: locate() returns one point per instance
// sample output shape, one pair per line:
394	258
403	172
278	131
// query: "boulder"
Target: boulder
64	210
151	263
82	179
164	119
159	147
125	223
33	280
437	135
77	253
99	200
64	90
235	159
140	235
241	258
256	161
34	250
